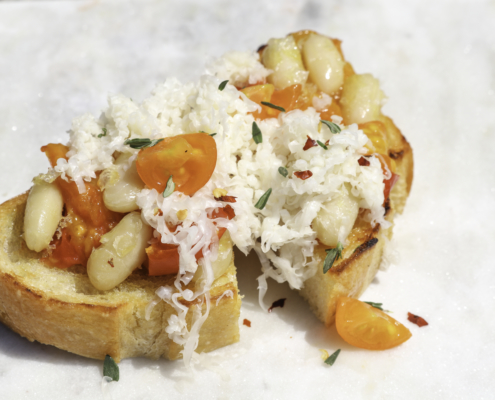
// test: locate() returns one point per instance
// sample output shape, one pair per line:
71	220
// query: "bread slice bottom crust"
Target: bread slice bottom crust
62	308
362	256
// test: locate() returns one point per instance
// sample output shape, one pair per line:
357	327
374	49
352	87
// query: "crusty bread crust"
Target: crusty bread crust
61	308
362	255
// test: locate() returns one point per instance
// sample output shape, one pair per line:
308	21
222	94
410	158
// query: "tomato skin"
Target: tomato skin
367	327
189	158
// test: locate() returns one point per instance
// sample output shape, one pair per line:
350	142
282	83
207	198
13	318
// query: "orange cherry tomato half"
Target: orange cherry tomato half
367	327
190	159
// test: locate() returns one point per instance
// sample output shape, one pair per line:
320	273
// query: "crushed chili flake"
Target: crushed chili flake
416	319
303	174
363	162
309	143
111	262
227	199
230	211
247	323
277	303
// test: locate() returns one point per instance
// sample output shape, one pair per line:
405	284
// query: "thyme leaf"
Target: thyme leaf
331	360
263	200
222	85
266	103
332	256
141	143
257	136
169	189
110	368
283	171
334	128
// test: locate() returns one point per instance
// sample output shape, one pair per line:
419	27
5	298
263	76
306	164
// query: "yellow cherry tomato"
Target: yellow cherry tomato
190	159
367	327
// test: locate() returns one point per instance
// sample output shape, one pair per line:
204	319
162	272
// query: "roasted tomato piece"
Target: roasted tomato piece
87	217
289	99
389	163
367	327
377	134
164	258
190	159
258	94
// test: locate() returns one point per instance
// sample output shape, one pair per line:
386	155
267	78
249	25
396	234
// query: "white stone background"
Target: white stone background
436	63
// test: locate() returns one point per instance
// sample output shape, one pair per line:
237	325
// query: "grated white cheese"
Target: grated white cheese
245	169
227	293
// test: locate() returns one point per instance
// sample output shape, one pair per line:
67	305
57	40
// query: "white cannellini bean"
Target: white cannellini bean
335	219
324	63
223	261
361	99
43	214
283	57
120	193
122	250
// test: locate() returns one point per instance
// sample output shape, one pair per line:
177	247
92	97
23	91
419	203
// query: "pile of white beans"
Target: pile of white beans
316	59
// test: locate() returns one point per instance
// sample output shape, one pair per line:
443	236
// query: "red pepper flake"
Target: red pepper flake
363	162
277	303
309	143
303	174
230	211
246	322
111	262
227	199
416	319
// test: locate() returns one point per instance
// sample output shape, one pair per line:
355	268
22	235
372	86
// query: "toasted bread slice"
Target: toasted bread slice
361	258
62	308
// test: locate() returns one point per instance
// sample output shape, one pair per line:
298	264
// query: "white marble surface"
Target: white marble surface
436	62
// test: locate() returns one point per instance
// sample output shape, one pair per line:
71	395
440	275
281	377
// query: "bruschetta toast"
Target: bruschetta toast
125	247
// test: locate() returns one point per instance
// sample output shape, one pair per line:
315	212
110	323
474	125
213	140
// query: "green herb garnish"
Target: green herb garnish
334	128
332	256
322	144
169	189
263	199
376	305
104	133
141	143
331	360
266	103
283	171
110	368
213	134
222	85
257	136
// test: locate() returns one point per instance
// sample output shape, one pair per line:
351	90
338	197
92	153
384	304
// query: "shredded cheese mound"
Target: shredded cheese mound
280	233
